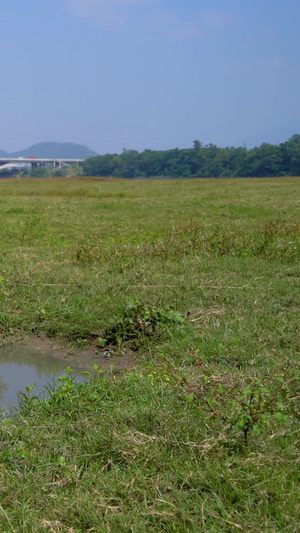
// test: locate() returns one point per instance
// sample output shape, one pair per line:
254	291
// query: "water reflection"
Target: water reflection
3	387
19	367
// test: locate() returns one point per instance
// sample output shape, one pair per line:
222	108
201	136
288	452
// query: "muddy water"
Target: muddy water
21	366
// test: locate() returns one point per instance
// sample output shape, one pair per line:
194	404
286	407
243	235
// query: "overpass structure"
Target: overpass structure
6	162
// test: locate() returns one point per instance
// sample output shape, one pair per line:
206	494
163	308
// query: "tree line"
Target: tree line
200	161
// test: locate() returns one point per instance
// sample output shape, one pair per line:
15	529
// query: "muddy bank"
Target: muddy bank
84	358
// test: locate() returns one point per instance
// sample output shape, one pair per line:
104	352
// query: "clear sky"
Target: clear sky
157	74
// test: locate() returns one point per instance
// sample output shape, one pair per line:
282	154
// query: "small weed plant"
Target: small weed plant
29	227
63	389
249	409
139	322
26	399
217	398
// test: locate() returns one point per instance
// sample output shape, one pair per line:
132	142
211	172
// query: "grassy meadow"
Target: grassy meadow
201	279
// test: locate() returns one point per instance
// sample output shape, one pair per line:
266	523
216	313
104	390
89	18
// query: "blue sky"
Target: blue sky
158	74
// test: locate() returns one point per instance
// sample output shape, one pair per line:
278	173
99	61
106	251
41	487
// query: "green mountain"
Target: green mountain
55	151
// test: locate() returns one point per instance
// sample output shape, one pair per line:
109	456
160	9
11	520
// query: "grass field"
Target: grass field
201	279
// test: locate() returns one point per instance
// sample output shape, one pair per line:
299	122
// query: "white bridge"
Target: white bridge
14	162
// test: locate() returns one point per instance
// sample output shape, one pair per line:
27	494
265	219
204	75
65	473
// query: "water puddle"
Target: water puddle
21	366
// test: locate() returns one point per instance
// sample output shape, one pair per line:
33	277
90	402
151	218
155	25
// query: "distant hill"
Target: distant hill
3	154
55	151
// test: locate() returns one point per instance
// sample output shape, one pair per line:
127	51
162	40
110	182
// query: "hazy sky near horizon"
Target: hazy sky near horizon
136	74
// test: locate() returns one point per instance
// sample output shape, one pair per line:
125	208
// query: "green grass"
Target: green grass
149	451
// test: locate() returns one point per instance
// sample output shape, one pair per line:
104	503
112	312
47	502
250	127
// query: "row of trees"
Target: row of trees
201	161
